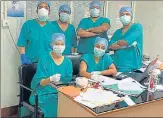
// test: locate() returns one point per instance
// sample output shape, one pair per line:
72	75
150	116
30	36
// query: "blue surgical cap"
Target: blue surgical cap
45	1
95	3
65	8
57	37
126	9
102	41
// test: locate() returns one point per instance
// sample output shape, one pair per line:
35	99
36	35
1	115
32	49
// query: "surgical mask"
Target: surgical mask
95	12
43	14
64	17
58	49
99	52
125	20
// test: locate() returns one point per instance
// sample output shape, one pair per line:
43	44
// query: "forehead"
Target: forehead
58	42
43	4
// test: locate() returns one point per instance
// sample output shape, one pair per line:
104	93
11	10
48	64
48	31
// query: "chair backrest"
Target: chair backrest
75	62
26	73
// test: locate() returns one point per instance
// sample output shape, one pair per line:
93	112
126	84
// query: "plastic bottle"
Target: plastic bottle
153	81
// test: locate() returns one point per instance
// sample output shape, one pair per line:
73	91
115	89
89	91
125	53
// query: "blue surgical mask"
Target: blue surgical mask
125	20
59	49
99	52
43	14
95	12
64	17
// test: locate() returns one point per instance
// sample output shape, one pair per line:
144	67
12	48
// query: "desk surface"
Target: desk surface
142	103
67	107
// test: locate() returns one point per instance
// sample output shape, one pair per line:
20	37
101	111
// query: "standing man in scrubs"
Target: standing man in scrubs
62	26
35	35
98	63
52	67
127	43
92	27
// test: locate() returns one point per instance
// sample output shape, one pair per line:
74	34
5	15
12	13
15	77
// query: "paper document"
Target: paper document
96	97
142	70
146	62
159	87
128	101
107	80
130	84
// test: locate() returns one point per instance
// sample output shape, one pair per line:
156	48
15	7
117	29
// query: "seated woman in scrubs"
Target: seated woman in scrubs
62	26
127	43
92	27
98	63
52	67
36	34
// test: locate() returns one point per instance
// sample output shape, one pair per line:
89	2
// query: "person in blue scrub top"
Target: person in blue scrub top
92	27
36	34
127	43
98	63
52	67
62	26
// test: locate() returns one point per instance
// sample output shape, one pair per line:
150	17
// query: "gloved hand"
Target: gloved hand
133	44
96	72
95	77
55	78
25	60
82	82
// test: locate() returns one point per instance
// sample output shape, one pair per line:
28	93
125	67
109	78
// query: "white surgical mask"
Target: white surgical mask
59	49
99	52
125	20
64	17
43	14
95	12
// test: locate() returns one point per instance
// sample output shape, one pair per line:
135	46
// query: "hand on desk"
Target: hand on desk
95	75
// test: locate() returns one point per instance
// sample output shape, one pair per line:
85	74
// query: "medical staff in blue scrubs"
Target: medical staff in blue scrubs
92	27
52	67
62	26
98	63
36	34
127	43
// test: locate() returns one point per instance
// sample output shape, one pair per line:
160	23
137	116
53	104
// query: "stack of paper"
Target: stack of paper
96	97
107	80
127	86
130	84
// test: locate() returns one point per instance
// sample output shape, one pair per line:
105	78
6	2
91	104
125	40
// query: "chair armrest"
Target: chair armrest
36	98
22	86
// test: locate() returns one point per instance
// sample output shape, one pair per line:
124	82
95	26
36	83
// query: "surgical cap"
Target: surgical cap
95	3
45	1
65	8
102	41
57	37
126	9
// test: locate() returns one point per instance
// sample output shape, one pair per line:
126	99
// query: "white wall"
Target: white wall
150	15
10	61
